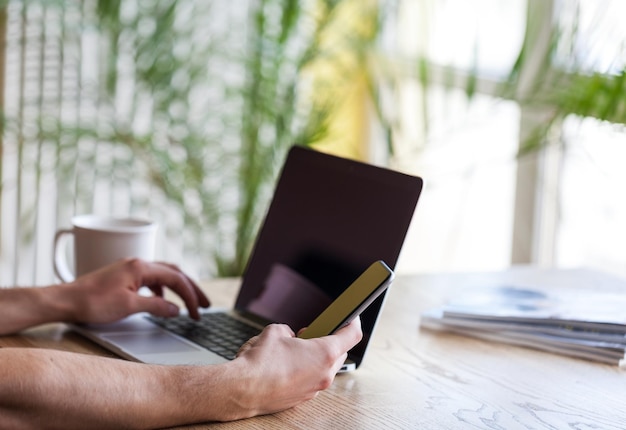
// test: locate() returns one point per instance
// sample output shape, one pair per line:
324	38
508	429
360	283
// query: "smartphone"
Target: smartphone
354	300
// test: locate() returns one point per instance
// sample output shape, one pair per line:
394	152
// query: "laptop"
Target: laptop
329	219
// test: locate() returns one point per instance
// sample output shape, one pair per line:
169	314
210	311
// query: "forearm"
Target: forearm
21	308
273	372
53	389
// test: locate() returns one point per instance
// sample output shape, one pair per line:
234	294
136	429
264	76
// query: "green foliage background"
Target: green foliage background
199	99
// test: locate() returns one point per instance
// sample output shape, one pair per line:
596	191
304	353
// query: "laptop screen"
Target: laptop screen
329	219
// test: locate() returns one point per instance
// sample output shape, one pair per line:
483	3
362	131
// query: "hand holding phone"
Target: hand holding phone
354	300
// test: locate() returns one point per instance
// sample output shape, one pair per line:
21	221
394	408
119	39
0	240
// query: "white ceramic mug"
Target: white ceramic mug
101	240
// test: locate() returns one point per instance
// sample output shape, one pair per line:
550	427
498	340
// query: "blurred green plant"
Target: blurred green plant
547	77
201	99
560	84
224	172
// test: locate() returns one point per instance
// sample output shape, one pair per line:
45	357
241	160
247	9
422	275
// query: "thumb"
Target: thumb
157	306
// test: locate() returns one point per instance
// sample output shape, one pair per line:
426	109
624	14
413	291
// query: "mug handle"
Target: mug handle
61	267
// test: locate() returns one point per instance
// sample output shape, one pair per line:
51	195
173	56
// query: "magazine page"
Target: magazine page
579	323
602	311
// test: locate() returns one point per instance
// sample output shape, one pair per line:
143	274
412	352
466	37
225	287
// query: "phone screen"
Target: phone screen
354	300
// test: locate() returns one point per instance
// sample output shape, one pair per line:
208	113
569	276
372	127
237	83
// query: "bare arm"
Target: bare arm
21	308
42	389
273	372
106	295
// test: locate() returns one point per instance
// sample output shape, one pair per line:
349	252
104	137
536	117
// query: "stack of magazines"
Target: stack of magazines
586	325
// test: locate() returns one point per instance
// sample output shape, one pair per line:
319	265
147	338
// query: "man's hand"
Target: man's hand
274	371
111	293
282	371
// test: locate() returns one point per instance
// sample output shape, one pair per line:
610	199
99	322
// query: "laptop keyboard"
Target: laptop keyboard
217	332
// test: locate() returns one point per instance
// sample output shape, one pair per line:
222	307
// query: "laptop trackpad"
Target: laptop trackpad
148	342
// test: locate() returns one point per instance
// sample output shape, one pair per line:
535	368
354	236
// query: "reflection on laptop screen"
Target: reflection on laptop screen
329	219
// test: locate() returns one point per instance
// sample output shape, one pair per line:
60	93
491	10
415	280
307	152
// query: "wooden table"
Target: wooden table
417	379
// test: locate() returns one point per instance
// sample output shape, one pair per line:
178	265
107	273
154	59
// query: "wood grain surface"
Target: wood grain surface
417	379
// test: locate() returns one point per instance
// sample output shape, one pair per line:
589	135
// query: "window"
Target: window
592	207
483	207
